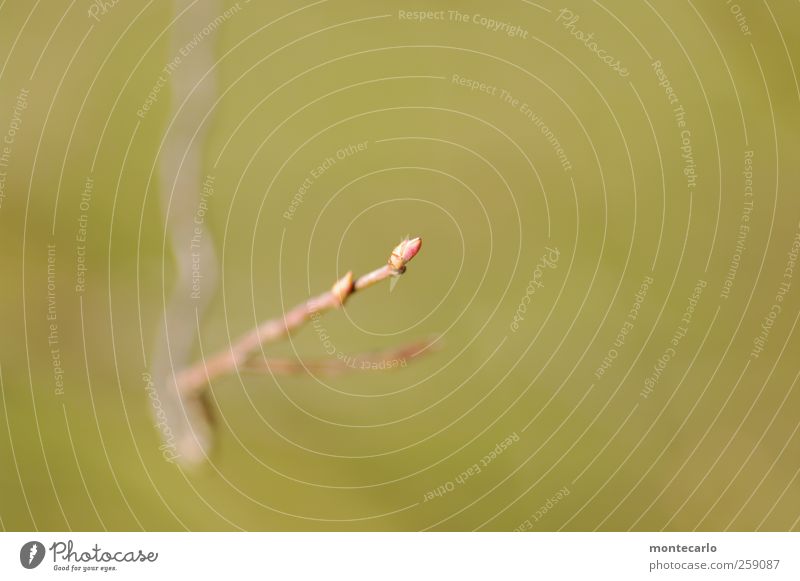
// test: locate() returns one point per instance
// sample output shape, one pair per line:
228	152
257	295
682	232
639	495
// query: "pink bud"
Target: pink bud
404	252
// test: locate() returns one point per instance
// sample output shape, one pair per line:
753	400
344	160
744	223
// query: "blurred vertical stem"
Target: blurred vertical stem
187	433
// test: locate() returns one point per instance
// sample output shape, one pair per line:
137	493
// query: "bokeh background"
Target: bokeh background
642	376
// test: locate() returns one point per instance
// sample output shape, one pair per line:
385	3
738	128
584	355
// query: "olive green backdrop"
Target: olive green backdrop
608	226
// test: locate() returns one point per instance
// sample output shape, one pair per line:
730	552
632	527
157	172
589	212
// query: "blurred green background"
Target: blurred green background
555	150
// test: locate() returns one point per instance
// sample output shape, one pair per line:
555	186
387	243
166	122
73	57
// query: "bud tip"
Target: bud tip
404	252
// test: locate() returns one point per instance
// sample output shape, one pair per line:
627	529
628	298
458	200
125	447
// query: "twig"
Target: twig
193	380
388	359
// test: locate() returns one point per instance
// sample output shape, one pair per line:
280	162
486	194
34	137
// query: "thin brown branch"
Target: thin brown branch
372	361
195	378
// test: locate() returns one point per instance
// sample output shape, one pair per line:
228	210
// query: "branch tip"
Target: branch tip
195	379
403	253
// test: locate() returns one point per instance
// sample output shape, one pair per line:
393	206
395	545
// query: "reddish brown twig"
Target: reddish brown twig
193	380
374	361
